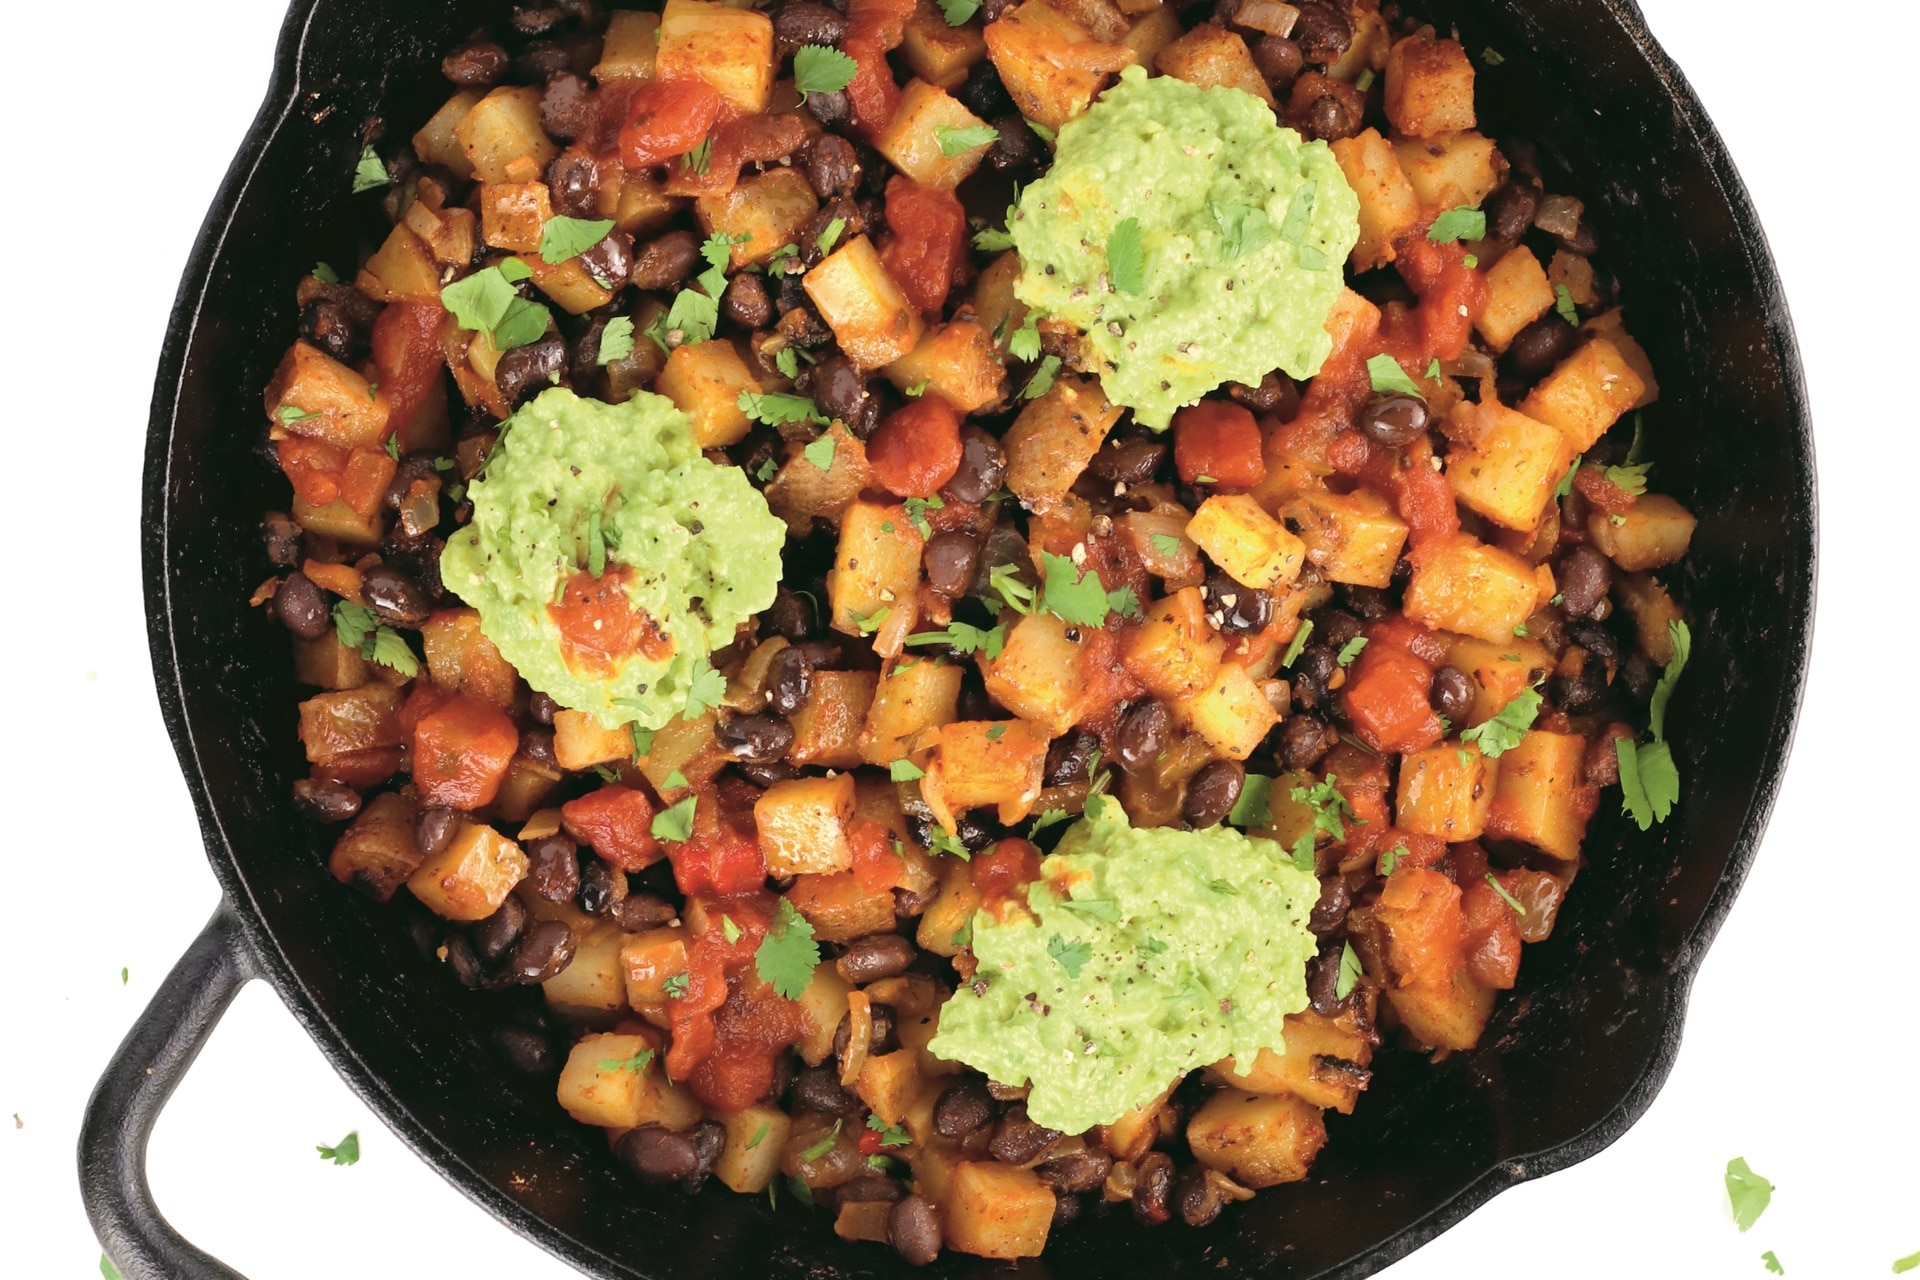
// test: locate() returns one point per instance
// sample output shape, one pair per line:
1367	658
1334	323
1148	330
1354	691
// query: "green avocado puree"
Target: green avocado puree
1244	232
612	502
1148	953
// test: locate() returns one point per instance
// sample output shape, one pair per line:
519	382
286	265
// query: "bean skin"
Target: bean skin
1153	1189
1019	1141
1199	1201
1452	695
1076	1172
913	1228
542	952
1212	793
325	801
1143	734
433	830
302	606
658	1154
963	1110
553	867
876	956
496	935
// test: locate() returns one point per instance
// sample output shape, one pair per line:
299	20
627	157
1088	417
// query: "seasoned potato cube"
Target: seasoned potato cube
1429	87
1451	171
704	380
1307	1069
1653	610
328	664
1102	18
569	284
1255	549
956	362
687	747
1518	293
876	567
1151	32
915	695
822	1005
502	137
769	210
642	205
1611	325
1469	587
1353	538
1501	669
436	142
1134	1133
1446	792
802	490
826	732
944	926
863	1220
1653	532
731	49
755	1137
460	658
803	824
912	139
871	318
1388	206
889	1082
1054	438
938	53
600	1086
378	852
995	309
1174	652
580	742
448	234
1233	713
1213	57
513	214
1037	675
314	395
594	983
976	762
1510	474
1257	1141
1543	798
1586	394
1051	65
340	522
627	49
998	1211
333	724
472	876
839	909
648	960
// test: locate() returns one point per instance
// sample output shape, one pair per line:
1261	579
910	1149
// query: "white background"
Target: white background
1800	1050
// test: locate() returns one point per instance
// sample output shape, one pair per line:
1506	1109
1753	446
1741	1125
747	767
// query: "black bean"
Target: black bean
801	22
610	262
951	560
1312	671
1305	741
1128	461
1510	210
964	1109
1142	734
658	1154
324	800
332	328
1275	394
876	956
542	952
819	1089
475	65
908	904
1584	577
1323	33
1595	639
1584	242
880	1040
533	20
1019	1141
572	181
285	543
1396	420
302	606
536	744
1153	1189
1323	980
1452	694
666	262
396	598
1637	677
709	1138
1581	694
542	708
983	465
601	885
526	371
553	867
829	107
1017	146
433	829
494	936
541	59
1076	1172
1335	628
840	391
638	911
1541	345
1369	604
1199	1200
1330	910
1235	609
983	94
756	739
913	1229
1212	793
1330	119
1068	757
1066	1209
832	166
792	615
746	302
566	108
1278	58
460	958
789	681
526	1049
1601	764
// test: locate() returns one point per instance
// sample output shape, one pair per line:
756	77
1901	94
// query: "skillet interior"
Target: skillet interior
1572	1057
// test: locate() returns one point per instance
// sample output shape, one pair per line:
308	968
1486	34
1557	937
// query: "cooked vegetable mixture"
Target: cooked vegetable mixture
990	597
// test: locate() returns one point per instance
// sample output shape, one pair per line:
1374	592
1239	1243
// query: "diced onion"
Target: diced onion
859	1036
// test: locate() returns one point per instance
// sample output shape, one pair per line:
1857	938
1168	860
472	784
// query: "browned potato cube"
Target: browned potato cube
938	53
1054	438
1213	57
648	960
340	522
1051	65
1429	87
863	1220
1354	538
513	214
1469	587
1518	293
1586	394
1307	1069
327	663
1388	206
956	362
1650	534
876	568
1450	171
889	1082
802	825
593	984
502	137
1037	675
1255	549
1446	792
802	490
822	1005
581	742
730	48
977	762
472	876
1257	1141
1510	473
705	381
838	908
944	926
826	732
314	395
569	284
769	210
912	139
1174	652
378	852
332	724
600	1086
998	1211
436	142
914	695
1233	712
1151	32
755	1137
1543	797
871	318
1611	325
628	48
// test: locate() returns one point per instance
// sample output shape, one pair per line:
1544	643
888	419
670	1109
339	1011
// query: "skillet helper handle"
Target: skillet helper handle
150	1062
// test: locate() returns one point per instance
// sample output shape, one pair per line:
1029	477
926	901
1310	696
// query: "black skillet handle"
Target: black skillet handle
150	1062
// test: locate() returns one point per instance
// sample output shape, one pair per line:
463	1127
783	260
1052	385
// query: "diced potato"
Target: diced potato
642	206
1054	438
1587	394
1543	798
686	747
1151	32
502	136
998	1211
838	908
704	380
995	309
627	50
731	49
340	522
1257	1141
594	983
449	234
1134	1133
1037	675
1429	87
1102	18
436	142
889	1082
513	214
599	1087
1051	65
327	663
1452	171
1304	1069
1612	326
876	568
1174	652
1511	472
1159	538
1213	57
461	659
938	53
755	1136
1446	792
1501	669
822	1005
871	318
945	925
1233	713
1650	534
525	788
1469	587
378	852
316	396
1388	206
863	1220
569	284
956	362
769	210
1255	549
648	960
1653	610
802	824
333	724
1518	293
826	732
1449	1015
1354	538
911	139
581	742
913	696
977	762
472	876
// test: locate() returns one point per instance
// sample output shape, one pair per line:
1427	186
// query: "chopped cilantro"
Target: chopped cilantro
1225	887
1166	544
787	362
1042	380
1387	376
959	11
1747	1192
1502	734
1491	57
693	316
1299	643
1025	342
392	446
917	509
1463	223
996	733
1632	479
918	389
563	238
905	771
776	407
324	273
346	1151
1005	580
1508	898
871	623
1293	228
759	1135
819	69
1563	304
1772	1263
1094	908
1254	808
1649	779
1909	1263
1350	972
1041	132
1244	228
1364	81
1520	630
1072	956
616	340
787	955
110	1272
636	1064
958	141
1127	257
830	235
676	986
1565	486
823	1146
370	172
1071	596
988	240
1351	650
1391	859
965	639
890	1135
701	156
820	453
729	929
940	842
675	822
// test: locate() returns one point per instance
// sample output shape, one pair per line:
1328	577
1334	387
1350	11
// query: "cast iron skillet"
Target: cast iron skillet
1573	1056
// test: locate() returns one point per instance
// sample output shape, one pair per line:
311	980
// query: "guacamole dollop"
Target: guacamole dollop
1243	231
608	558
1147	953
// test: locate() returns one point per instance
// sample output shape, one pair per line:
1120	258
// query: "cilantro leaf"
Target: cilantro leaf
1491	56
1293	228
389	650
917	509
729	930
1463	223
1166	544
959	11
1094	908
674	823
346	1151
636	1064
1350	972
1042	380
830	235
905	771
1331	809
564	238
1773	1263
1565	486
1351	650
1244	228
940	842
1299	643
717	249
353	623
965	639
1071	597
787	362
1127	257
820	453
787	955
1563	304
958	141
1682	638
1391	859
759	1135
1649	781
1503	733
1047	818
1025	342
1254	808
1632	479
1043	133
1005	580
774	408
1505	896
823	1146
988	240
704	691
819	69
1223	887
1747	1192
872	622
480	301
1909	1263
324	273
524	322
693	315
1387	376
1072	956
370	172
890	1135
676	986
110	1272
701	156
1124	602
616	340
